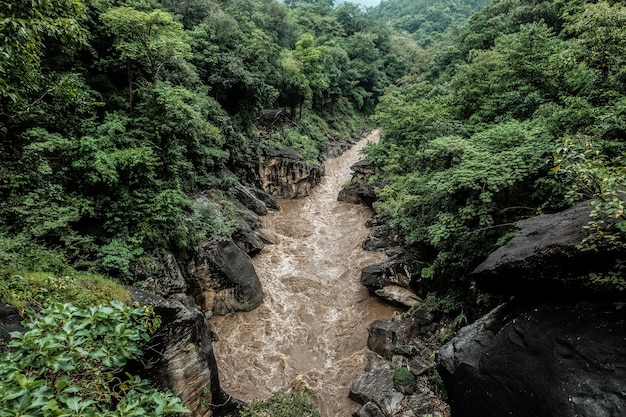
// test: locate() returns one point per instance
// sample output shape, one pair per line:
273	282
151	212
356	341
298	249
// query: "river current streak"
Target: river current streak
312	327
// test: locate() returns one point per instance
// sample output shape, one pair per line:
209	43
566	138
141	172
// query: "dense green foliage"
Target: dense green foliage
471	134
424	18
283	404
68	364
114	114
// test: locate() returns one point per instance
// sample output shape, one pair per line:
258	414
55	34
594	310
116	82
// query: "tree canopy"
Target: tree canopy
472	133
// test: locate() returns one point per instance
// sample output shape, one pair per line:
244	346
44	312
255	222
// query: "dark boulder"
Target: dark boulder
248	235
543	259
269	200
359	191
249	199
358	194
10	321
538	361
223	278
394	271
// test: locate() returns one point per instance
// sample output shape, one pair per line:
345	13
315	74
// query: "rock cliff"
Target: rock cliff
284	174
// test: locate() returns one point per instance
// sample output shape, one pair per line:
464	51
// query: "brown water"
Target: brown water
312	327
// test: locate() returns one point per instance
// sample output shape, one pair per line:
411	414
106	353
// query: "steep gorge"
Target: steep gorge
312	327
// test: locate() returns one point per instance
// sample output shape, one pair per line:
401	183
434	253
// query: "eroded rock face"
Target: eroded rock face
285	175
224	279
181	357
535	361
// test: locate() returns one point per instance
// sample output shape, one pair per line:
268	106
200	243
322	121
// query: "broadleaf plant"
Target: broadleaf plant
69	363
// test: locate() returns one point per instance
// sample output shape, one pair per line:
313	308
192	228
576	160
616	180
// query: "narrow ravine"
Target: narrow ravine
312	327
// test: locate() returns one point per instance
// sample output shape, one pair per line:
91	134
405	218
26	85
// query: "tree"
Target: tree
311	60
25	28
601	30
146	42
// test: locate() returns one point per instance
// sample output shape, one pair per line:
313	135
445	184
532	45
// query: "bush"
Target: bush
283	404
69	363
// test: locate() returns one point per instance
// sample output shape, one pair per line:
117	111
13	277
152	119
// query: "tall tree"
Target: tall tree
146	42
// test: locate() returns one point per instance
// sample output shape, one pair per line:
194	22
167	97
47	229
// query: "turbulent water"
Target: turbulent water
312	327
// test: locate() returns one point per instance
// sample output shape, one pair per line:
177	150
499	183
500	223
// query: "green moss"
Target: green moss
35	289
404	380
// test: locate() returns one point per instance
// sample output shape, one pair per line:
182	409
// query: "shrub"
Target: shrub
283	404
69	363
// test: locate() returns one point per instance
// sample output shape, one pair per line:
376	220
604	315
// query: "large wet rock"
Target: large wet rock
223	277
543	259
392	280
249	199
536	361
248	235
285	175
411	336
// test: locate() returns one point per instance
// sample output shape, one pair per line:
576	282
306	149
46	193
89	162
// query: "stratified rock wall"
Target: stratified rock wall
285	175
180	357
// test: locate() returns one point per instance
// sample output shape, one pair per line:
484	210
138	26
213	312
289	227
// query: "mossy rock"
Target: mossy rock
404	381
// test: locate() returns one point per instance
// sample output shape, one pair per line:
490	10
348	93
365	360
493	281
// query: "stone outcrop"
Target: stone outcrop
543	259
379	395
224	278
380	237
359	191
391	280
558	348
219	274
248	235
161	275
284	174
336	147
539	360
408	341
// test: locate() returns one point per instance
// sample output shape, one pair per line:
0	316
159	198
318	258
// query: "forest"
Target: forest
116	114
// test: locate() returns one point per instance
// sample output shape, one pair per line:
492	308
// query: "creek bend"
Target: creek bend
312	327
